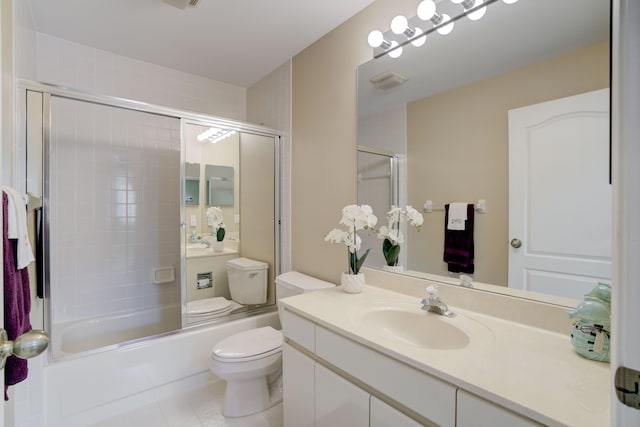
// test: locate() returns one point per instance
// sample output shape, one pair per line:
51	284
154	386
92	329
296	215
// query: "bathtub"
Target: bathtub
85	335
84	389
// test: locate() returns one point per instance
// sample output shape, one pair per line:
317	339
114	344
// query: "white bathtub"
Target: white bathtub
85	389
80	336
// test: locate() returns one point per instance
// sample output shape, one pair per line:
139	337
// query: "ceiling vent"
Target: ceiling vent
182	4
388	80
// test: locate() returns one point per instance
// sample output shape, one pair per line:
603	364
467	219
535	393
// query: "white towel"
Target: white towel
17	226
457	216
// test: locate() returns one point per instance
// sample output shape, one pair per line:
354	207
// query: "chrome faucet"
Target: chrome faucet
434	304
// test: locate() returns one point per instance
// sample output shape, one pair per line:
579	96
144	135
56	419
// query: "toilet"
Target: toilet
206	309
247	286
247	280
251	361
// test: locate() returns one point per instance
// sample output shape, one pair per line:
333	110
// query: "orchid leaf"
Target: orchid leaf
355	262
390	252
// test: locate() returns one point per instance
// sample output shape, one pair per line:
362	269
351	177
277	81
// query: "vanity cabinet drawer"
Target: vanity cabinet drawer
298	329
383	415
428	396
298	376
339	402
473	411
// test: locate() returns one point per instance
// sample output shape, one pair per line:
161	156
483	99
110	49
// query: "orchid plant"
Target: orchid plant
216	220
391	233
355	218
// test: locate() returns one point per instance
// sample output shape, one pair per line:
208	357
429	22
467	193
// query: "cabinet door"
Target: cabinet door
298	377
473	411
383	415
338	402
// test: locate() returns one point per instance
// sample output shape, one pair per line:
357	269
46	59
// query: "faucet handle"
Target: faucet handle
432	292
465	281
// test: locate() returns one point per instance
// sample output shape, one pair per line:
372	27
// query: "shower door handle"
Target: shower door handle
27	345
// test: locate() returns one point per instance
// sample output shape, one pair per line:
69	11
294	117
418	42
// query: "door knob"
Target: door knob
516	243
27	345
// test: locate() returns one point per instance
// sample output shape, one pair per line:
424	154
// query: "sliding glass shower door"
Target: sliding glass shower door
112	188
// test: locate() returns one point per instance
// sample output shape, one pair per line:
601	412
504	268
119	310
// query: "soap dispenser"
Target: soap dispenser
591	332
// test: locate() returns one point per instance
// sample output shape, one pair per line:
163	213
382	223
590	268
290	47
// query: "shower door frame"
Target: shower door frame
395	194
47	91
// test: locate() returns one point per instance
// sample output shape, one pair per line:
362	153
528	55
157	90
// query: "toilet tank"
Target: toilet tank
247	280
294	283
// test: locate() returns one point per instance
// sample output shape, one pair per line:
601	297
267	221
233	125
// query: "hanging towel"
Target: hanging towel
17	301
458	243
457	216
17	226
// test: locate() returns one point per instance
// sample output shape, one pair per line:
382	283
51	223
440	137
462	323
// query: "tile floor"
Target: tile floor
201	407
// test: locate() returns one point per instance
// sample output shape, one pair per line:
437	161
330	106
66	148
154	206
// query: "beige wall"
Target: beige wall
324	136
458	151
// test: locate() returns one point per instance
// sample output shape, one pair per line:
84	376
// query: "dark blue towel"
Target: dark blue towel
458	244
17	303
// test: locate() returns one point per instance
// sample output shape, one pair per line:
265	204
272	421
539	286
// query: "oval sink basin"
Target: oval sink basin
419	329
422	329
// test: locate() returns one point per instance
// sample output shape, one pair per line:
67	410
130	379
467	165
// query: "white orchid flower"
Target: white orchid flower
336	236
394	214
395	236
355	218
415	218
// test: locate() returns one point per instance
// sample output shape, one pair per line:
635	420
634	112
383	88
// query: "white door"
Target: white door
559	195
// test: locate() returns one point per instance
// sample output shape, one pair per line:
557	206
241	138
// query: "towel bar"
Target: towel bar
480	207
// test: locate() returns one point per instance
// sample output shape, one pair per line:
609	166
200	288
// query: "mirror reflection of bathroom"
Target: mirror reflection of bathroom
229	186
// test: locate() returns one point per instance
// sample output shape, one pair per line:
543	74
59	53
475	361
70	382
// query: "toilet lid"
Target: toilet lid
208	306
248	345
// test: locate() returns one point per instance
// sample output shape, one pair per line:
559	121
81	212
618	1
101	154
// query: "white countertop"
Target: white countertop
531	371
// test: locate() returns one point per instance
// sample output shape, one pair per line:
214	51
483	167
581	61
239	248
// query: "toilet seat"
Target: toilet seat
208	307
248	345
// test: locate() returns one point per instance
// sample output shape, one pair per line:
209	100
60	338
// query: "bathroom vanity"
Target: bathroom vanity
377	359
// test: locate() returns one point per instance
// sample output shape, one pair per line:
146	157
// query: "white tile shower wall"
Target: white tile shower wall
114	206
78	66
25	41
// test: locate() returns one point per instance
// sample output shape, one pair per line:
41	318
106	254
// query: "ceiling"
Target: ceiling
232	41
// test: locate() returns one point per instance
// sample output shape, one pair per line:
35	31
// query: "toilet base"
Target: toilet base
244	398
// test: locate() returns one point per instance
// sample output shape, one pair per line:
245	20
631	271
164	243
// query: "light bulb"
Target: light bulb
375	38
396	53
399	24
445	29
426	10
509	1
474	16
420	40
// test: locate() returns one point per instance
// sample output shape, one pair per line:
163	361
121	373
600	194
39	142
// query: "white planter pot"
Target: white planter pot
393	268
218	246
352	283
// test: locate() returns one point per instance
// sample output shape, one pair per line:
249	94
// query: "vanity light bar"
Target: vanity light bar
442	23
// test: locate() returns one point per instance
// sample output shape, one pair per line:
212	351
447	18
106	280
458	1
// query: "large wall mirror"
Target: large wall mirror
448	114
230	177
